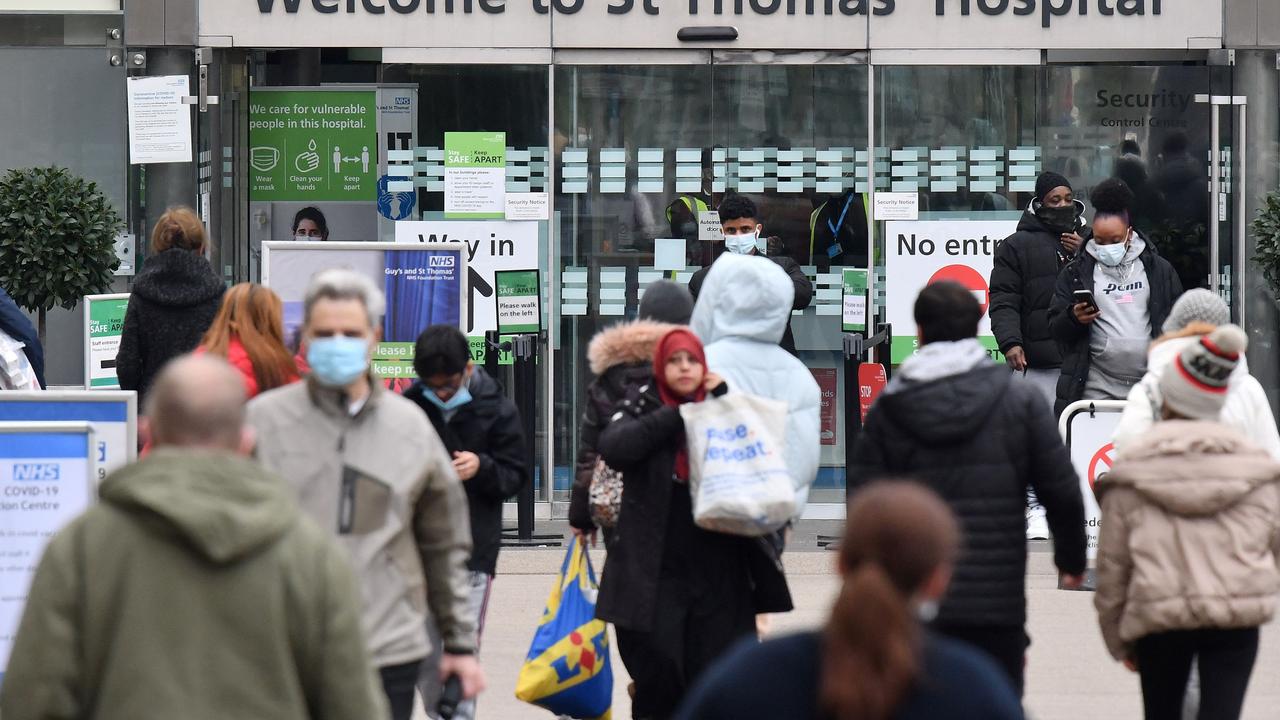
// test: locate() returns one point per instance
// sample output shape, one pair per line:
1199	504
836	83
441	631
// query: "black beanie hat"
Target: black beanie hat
668	302
1047	182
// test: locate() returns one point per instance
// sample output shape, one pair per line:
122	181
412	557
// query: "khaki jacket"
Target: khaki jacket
194	589
382	482
1190	534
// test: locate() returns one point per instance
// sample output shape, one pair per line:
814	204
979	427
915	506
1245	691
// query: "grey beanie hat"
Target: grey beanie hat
1198	305
667	301
1197	383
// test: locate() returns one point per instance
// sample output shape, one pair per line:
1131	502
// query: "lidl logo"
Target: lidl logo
579	659
36	472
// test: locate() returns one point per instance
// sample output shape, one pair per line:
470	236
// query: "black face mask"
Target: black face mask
1063	219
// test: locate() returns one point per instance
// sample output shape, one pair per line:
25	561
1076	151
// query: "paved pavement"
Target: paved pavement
1069	674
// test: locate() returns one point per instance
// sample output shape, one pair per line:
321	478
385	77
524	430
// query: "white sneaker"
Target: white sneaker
1037	524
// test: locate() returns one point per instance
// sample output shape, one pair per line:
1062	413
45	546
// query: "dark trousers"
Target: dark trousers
1006	645
399	683
1225	660
687	637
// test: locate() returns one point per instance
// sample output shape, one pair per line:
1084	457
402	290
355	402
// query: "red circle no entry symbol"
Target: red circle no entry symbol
1101	463
968	277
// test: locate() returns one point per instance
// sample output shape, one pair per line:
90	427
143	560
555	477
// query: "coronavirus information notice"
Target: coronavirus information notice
46	480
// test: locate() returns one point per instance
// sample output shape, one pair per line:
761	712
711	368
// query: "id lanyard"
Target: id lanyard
835	248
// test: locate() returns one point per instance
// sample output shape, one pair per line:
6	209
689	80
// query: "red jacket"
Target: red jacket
239	359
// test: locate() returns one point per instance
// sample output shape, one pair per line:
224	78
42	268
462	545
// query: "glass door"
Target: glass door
647	144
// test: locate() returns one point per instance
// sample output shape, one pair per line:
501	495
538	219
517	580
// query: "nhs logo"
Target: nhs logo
402	101
36	472
441	261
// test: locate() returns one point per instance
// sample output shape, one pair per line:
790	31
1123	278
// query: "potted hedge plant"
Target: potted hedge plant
57	237
1266	233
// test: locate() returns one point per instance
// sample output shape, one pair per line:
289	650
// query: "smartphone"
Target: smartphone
1086	296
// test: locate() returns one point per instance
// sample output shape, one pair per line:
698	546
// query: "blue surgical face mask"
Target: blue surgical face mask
460	398
740	244
1112	255
338	361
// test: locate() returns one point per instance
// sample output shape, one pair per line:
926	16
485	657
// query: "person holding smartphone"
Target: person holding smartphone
1110	302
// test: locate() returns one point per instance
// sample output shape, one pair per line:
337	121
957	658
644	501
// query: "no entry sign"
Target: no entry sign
928	251
1087	427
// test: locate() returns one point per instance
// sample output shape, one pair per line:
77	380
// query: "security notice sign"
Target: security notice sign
928	251
519	301
475	175
103	325
313	145
46	480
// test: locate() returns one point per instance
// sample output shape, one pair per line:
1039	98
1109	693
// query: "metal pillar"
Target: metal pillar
168	184
1257	77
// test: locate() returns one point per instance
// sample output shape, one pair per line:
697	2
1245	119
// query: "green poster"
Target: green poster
854	301
517	296
393	360
475	175
313	145
106	323
478	354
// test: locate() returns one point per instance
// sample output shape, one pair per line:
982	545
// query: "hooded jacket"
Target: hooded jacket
1023	279
1074	339
743	309
488	426
802	287
621	358
382	482
173	302
1246	410
958	423
194	589
1190	535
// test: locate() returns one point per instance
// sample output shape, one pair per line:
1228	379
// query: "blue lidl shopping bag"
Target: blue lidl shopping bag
567	670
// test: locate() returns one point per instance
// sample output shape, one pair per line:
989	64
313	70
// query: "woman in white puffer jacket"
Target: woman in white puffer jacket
1195	315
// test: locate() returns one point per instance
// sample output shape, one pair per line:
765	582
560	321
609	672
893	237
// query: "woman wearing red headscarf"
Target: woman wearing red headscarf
679	596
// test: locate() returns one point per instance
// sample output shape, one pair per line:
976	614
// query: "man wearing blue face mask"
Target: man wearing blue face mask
366	465
744	235
480	428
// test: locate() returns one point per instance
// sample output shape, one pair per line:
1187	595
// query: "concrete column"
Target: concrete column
169	184
1256	77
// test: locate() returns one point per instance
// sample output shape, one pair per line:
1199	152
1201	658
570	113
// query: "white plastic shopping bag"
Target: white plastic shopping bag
737	473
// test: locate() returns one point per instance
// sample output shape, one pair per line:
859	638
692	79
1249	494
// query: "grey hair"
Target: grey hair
341	284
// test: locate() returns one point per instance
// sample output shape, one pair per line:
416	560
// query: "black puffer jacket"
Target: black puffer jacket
980	440
1073	338
1023	279
641	442
174	301
621	358
488	426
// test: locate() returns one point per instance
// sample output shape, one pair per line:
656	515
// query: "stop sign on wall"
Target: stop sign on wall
968	277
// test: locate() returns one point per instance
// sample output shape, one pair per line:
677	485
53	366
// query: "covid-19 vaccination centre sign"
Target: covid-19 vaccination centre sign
920	253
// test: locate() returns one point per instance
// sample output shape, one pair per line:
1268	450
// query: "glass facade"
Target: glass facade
631	147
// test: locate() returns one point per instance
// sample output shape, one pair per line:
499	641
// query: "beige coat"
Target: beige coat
382	482
1190	534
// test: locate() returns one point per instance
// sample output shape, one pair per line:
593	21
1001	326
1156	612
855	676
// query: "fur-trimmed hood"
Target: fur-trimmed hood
625	343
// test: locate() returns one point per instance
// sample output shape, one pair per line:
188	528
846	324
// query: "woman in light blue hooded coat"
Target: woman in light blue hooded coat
742	310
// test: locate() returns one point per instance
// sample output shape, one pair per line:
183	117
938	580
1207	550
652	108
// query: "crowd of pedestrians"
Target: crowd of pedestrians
330	546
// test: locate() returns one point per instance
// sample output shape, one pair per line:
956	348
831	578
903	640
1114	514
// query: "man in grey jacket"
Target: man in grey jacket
366	463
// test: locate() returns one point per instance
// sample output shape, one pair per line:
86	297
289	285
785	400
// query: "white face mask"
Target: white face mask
1112	255
301	238
740	244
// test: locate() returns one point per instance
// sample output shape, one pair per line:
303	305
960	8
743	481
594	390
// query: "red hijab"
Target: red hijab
671	343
